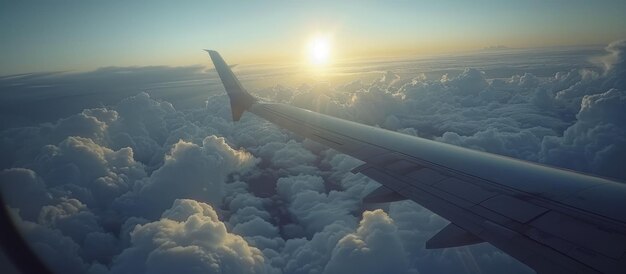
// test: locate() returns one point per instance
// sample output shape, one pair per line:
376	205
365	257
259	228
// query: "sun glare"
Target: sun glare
319	50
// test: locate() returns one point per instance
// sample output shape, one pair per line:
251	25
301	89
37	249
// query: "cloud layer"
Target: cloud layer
143	186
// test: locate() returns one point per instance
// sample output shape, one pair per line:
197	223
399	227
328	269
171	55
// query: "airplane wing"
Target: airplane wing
551	219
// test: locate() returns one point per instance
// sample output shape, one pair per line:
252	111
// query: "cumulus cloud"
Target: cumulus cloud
189	238
71	217
313	207
375	247
596	142
615	65
290	157
189	171
312	256
84	194
57	251
79	162
24	190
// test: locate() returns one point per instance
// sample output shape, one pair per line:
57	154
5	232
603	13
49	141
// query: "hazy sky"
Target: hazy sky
81	35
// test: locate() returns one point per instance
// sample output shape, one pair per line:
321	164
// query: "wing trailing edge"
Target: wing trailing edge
452	236
383	195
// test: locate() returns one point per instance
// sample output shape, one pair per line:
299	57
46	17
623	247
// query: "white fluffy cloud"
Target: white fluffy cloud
189	238
105	174
375	247
313	207
189	171
615	65
596	142
311	256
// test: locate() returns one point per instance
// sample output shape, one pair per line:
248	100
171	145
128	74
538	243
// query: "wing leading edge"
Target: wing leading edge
554	220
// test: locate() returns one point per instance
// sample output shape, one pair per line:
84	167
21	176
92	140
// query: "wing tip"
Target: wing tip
240	99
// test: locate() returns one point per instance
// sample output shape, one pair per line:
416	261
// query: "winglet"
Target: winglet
240	99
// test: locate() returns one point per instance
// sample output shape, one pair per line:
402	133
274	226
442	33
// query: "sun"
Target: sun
319	50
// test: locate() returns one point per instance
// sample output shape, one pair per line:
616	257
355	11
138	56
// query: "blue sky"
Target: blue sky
82	35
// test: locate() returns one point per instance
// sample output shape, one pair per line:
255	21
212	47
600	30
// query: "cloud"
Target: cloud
24	190
289	158
375	247
615	65
189	238
71	217
57	251
188	171
312	256
313	207
81	193
596	142
104	174
41	97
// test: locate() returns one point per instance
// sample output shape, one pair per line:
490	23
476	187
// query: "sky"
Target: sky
119	153
82	35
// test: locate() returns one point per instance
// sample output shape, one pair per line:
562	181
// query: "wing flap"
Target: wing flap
513	208
452	236
566	227
383	195
464	190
